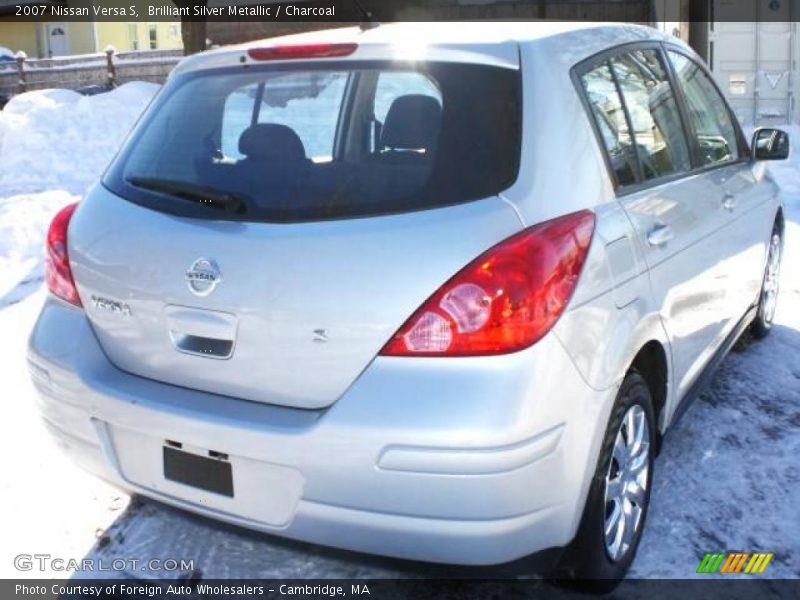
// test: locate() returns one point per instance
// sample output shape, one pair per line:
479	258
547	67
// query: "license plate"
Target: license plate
210	474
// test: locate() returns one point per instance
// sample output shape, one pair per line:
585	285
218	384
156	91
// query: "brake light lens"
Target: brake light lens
301	51
57	273
505	300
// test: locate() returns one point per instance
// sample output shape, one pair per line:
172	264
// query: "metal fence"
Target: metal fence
77	72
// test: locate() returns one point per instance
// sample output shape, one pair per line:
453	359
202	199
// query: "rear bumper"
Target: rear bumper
464	461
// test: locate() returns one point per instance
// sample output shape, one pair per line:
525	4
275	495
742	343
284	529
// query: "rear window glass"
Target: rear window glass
313	119
279	144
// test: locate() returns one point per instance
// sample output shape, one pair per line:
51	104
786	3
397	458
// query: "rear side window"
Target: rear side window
657	134
710	119
609	115
299	143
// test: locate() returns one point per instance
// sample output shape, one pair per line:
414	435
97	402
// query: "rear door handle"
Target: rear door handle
729	202
660	235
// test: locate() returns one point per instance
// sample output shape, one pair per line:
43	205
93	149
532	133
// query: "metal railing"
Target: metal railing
106	70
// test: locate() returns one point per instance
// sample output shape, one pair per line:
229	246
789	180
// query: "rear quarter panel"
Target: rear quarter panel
611	315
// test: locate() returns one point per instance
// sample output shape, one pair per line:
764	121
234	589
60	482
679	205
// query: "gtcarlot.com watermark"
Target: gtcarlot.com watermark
48	562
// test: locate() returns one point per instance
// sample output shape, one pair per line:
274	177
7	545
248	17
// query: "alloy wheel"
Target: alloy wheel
769	293
626	483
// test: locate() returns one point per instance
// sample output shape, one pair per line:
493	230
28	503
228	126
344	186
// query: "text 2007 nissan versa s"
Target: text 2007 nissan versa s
422	291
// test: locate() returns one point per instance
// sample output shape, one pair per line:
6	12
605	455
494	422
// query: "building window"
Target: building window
133	36
153	34
173	31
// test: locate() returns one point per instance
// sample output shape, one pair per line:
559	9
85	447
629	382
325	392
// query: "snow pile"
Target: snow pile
58	139
23	223
53	145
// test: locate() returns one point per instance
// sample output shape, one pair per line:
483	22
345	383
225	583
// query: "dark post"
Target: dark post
193	29
22	85
112	70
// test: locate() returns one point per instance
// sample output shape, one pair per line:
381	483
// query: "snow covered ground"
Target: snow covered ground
53	145
728	478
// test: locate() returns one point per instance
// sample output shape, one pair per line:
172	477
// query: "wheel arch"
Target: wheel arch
651	362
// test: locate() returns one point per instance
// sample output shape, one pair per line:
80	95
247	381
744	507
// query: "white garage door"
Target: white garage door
753	60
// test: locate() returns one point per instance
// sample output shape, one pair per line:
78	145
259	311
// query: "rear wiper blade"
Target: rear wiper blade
199	194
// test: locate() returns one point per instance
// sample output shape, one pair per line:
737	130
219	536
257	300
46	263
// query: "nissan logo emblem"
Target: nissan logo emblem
203	276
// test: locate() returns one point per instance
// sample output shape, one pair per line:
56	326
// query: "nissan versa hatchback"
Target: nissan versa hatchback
428	292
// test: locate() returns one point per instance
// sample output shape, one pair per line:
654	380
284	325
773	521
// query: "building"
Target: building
63	38
752	48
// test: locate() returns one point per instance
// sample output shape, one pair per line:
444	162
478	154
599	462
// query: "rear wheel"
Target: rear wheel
768	300
619	496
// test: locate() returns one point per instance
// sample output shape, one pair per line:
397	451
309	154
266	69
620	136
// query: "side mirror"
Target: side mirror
770	144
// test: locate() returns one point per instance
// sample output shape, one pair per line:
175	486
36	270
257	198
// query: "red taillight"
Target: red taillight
505	300
57	273
301	51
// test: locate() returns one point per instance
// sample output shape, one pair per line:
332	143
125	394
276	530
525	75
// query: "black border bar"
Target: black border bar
385	11
713	587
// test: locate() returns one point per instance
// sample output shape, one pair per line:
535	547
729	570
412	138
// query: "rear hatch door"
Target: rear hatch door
298	311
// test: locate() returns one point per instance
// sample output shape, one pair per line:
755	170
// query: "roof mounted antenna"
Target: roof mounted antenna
368	20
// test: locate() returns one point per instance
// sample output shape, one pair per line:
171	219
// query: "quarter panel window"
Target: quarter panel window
714	131
658	135
609	115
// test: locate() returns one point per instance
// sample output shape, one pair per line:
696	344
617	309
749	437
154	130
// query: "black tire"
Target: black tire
587	564
762	324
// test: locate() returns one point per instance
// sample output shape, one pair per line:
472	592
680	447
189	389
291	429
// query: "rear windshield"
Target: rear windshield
310	143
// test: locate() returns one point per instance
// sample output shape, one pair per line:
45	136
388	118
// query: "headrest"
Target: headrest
413	121
270	141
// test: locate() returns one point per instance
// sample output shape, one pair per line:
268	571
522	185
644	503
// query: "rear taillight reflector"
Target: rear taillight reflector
505	300
57	272
301	51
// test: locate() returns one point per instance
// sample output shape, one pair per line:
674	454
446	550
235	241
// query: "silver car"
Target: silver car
428	292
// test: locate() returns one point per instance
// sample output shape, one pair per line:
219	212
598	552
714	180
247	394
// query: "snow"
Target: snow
23	220
46	505
53	145
59	139
728	477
